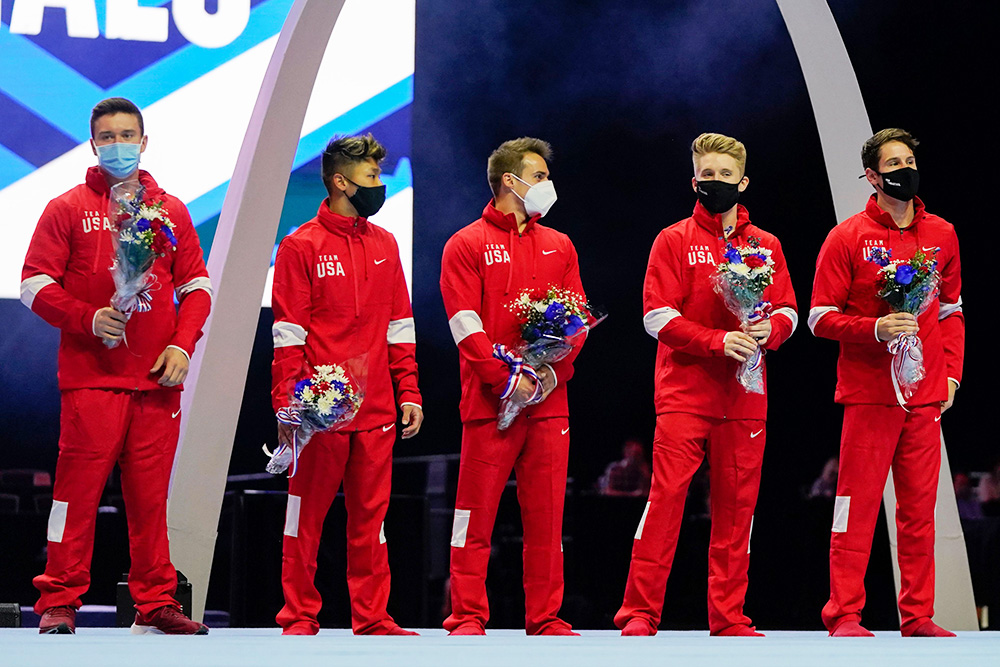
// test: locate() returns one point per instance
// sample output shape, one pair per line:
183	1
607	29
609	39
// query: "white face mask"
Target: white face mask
539	198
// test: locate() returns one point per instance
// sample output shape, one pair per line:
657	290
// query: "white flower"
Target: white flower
740	269
308	394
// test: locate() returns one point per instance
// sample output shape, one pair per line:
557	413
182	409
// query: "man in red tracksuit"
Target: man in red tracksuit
701	409
485	266
340	294
881	428
121	404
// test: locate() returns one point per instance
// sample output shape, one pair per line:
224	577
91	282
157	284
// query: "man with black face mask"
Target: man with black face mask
882	428
339	294
701	408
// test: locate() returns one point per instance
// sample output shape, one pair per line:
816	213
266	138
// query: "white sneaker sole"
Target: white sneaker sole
146	630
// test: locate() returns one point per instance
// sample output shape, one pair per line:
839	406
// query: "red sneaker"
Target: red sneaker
58	621
850	629
928	629
739	631
301	629
638	627
468	629
392	630
166	620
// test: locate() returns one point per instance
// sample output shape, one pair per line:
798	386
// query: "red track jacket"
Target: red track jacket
65	280
690	320
484	267
339	293
846	308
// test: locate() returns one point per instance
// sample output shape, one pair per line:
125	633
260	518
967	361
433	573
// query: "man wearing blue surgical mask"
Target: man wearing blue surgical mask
120	375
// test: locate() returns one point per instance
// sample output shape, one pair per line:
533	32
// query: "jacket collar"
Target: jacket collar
713	222
340	224
875	212
95	181
506	221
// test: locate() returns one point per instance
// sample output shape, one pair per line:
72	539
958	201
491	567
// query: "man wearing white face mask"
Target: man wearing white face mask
485	266
119	405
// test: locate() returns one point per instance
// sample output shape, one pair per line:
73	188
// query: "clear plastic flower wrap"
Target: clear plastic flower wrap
741	280
908	286
141	232
326	399
552	322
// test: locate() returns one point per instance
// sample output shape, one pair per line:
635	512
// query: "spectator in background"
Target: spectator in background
825	485
628	477
965	494
989	492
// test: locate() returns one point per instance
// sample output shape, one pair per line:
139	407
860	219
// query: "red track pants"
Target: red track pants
735	451
874	438
363	460
537	450
138	430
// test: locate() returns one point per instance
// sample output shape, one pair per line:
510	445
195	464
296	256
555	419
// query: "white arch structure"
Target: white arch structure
211	405
843	126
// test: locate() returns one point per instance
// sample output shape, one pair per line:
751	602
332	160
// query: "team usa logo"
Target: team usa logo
95	221
329	265
700	254
496	253
870	244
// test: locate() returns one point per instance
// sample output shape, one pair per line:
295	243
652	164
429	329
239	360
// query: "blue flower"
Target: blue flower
904	274
142	225
302	384
555	311
574	324
733	255
880	256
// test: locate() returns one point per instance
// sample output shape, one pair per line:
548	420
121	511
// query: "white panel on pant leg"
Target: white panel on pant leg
642	522
750	536
57	520
381	534
460	529
292	515
841	509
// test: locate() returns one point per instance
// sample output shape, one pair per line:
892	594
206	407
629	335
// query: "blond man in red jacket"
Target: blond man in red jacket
701	409
121	404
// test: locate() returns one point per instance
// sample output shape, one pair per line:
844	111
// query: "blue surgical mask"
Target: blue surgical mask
119	159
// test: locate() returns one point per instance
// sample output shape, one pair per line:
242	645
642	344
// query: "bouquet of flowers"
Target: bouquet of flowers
326	400
740	280
142	232
551	320
908	286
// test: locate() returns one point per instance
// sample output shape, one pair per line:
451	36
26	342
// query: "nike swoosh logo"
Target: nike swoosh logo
379	261
174	416
938	418
565	431
548	252
386	428
754	435
932	248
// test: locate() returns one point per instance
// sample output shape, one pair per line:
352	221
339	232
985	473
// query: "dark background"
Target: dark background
620	90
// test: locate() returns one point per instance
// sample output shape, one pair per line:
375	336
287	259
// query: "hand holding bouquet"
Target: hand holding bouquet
740	280
908	286
327	400
142	232
551	319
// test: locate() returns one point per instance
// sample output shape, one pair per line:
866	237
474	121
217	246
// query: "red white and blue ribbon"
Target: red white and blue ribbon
760	312
899	348
517	368
291	417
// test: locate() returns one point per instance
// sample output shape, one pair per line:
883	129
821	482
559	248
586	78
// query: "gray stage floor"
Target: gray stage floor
242	647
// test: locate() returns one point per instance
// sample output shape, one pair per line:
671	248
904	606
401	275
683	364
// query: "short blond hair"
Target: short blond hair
710	142
509	158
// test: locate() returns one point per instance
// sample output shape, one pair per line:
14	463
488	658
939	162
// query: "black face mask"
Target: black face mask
718	196
901	184
366	200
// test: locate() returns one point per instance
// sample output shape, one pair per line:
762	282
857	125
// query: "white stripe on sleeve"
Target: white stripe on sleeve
204	282
946	310
657	318
464	323
287	334
401	331
818	312
30	287
790	314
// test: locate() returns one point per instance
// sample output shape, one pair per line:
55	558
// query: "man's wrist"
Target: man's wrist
182	351
416	405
